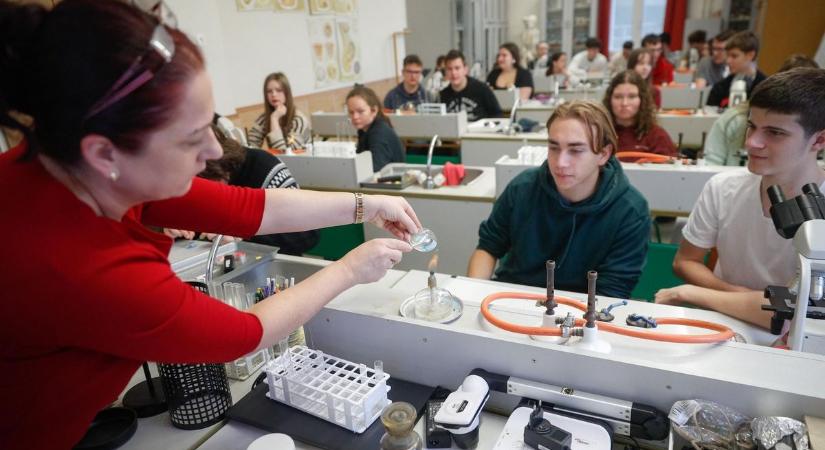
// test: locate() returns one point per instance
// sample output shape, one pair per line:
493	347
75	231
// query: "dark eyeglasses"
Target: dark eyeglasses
161	50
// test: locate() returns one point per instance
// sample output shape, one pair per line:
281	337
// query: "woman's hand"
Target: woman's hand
675	295
277	113
370	261
224	239
391	213
174	234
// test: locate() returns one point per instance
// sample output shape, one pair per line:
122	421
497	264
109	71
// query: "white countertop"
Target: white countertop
483	188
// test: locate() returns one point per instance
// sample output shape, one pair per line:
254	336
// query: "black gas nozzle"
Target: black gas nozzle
590	315
550	304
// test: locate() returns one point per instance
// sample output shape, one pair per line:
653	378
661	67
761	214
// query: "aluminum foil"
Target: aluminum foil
779	433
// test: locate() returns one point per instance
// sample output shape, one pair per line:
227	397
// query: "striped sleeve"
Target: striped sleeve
297	138
255	136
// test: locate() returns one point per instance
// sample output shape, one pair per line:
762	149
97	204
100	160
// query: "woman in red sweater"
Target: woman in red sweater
629	100
121	107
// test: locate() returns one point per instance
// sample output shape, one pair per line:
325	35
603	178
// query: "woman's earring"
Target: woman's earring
114	175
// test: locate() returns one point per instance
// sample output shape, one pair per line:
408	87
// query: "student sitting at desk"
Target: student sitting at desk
641	61
375	132
662	68
712	68
465	93
786	131
741	49
577	208
558	69
253	168
618	62
435	81
542	56
726	139
630	102
281	126
509	73
409	93
697	48
589	61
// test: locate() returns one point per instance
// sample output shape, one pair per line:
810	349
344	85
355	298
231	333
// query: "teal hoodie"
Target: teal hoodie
608	232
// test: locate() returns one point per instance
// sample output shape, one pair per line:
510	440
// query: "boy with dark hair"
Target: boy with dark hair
578	208
712	68
786	132
697	46
589	60
662	72
465	93
618	62
741	49
410	92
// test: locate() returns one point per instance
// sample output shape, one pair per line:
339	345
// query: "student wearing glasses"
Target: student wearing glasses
281	127
410	92
118	139
712	68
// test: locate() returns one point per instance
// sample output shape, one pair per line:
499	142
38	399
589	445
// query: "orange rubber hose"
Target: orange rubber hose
723	333
647	157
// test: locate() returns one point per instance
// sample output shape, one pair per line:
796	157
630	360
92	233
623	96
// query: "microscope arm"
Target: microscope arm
626	418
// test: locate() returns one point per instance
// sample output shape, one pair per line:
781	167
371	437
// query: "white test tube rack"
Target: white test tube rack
347	394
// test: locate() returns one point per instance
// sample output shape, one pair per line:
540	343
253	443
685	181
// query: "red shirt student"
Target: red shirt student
121	131
630	102
662	68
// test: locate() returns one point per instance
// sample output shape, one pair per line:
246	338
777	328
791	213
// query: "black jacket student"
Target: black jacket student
381	140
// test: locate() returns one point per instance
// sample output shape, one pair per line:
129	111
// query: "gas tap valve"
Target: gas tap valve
605	316
638	320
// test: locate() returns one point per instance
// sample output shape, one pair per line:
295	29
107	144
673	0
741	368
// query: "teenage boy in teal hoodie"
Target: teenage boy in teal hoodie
578	208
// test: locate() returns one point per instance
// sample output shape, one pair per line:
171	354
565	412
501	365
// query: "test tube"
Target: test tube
283	345
378	365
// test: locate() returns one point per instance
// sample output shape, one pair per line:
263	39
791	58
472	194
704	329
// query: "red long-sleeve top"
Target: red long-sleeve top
87	299
655	141
662	72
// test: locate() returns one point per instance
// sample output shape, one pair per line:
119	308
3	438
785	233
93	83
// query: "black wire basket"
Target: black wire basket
197	394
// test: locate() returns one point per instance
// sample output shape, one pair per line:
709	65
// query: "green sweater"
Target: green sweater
607	232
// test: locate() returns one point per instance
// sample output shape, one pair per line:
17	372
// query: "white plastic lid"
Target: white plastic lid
274	441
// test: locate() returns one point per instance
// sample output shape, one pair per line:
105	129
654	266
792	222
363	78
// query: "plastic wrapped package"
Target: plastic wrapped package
709	425
781	433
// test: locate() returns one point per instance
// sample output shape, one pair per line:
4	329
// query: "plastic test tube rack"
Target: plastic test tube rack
347	394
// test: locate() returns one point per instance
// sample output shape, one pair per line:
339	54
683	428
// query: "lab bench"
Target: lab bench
363	324
484	148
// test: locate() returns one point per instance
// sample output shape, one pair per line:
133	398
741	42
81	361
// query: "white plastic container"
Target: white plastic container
342	392
242	368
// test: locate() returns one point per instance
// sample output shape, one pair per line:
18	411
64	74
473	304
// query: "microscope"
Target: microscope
802	219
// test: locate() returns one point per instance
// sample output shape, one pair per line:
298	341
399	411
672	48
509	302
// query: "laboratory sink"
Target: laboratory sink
253	264
392	172
492	126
